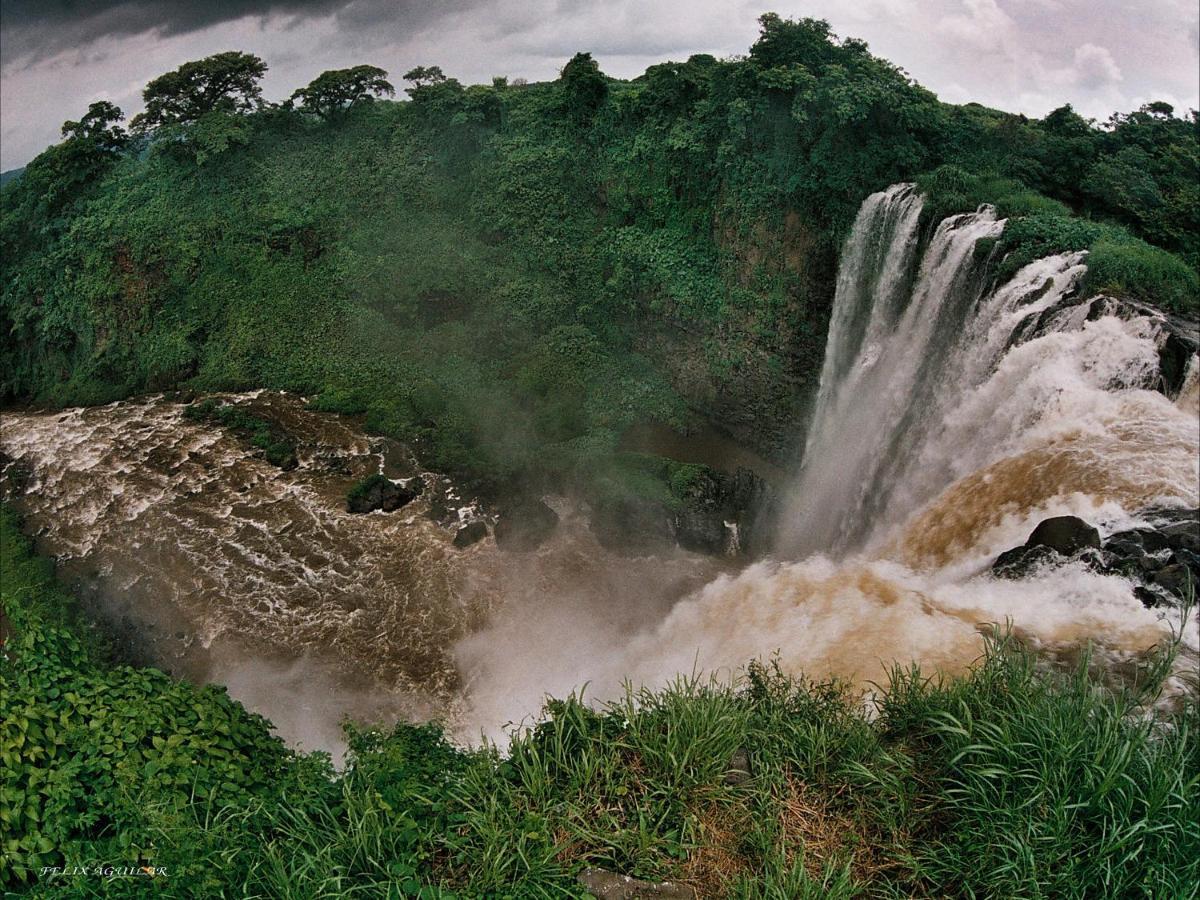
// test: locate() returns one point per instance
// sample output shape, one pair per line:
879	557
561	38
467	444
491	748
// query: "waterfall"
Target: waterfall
955	411
911	343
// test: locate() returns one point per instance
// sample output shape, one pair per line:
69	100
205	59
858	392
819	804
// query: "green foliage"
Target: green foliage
99	127
224	82
950	189
84	746
1031	770
364	486
1137	269
584	87
335	92
1116	264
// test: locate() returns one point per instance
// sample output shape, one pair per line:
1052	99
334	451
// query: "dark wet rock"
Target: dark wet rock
1022	561
1177	338
443	504
1182	536
525	525
471	533
1064	534
606	885
1052	542
720	512
1150	597
739	771
715	513
631	525
1101	561
378	492
1175	577
702	531
1161	558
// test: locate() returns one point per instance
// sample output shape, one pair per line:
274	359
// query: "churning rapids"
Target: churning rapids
953	415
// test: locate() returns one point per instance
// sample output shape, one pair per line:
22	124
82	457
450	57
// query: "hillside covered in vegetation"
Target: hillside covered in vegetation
507	276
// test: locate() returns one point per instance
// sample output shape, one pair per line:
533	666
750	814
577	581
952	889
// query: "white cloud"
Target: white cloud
1095	67
985	27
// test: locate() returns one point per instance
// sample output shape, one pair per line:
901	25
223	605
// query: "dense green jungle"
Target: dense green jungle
508	278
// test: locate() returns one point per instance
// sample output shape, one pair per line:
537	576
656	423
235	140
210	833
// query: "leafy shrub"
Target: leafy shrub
1009	781
84	746
365	486
1137	269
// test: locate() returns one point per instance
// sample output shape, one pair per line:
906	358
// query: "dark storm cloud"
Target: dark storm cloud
35	29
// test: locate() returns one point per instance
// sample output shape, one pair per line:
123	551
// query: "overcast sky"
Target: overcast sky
57	56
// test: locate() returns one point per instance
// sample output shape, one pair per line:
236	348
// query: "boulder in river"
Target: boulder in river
525	525
1065	534
471	533
1161	558
380	492
1053	540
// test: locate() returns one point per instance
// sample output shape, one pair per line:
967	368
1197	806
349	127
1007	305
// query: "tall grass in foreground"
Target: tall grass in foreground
1011	782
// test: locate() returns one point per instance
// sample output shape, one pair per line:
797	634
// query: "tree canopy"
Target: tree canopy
423	76
337	91
585	86
434	265
226	82
99	127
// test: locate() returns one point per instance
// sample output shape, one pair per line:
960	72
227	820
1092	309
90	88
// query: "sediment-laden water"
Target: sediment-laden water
953	415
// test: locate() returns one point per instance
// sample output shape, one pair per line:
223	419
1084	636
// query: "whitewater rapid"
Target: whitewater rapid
954	413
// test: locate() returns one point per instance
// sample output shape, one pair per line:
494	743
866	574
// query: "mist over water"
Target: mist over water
953	415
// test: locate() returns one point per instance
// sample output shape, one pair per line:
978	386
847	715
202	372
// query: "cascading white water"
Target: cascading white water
878	380
891	427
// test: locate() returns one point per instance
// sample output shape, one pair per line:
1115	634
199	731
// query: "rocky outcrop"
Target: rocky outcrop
471	533
378	492
715	513
631	525
605	885
1177	337
1162	558
719	512
525	525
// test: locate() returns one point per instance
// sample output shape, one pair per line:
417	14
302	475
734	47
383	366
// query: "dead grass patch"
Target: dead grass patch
815	825
718	859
